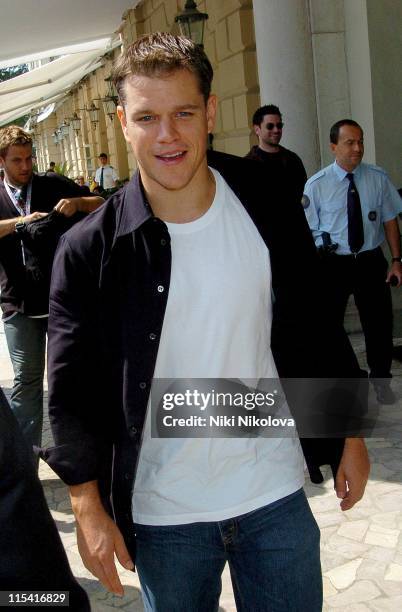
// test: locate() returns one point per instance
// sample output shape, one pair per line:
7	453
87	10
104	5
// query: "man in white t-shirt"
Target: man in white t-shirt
105	176
173	280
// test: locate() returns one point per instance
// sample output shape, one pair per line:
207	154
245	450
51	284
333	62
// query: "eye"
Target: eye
146	118
184	114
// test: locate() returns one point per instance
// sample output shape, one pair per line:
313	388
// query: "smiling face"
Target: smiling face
17	164
349	149
166	121
269	133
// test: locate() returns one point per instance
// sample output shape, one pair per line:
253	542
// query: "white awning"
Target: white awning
81	31
38	87
34	29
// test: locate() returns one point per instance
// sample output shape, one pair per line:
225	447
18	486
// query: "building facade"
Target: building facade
318	60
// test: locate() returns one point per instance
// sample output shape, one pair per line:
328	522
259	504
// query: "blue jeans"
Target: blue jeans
26	340
273	555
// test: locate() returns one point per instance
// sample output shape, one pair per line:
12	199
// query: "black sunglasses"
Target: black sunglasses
270	126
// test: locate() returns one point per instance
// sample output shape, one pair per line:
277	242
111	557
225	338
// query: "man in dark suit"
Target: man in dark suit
24	198
172	278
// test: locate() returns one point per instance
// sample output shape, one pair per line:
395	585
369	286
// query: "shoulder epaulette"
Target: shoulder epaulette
377	169
317	176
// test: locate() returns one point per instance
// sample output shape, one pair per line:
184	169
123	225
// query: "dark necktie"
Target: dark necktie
21	198
355	218
101	179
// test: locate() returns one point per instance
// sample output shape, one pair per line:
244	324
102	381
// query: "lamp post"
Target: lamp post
192	22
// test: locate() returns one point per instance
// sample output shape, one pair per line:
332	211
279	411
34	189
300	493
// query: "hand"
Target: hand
33	217
99	539
67	206
395	270
353	473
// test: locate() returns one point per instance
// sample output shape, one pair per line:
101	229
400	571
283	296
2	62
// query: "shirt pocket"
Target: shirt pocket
333	212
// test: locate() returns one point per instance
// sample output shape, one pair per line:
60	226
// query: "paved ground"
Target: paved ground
361	549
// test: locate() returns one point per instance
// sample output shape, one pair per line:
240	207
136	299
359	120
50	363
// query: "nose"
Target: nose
167	130
26	165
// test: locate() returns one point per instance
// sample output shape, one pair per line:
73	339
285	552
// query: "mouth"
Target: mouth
172	158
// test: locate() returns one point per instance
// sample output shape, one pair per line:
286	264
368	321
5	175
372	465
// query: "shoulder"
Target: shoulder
96	228
373	170
52	180
319	176
289	154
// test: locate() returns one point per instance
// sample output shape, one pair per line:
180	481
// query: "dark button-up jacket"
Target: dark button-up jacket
16	294
108	297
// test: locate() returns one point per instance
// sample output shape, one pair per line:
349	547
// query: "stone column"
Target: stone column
286	74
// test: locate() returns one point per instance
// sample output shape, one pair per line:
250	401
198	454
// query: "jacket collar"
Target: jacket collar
135	209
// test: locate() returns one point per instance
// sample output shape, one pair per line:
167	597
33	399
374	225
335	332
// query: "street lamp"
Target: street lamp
75	121
111	99
65	128
192	22
55	137
93	114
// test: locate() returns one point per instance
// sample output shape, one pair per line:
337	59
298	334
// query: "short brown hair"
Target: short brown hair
13	135
335	129
160	54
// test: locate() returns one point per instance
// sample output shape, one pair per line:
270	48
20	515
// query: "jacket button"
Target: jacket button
133	429
163	242
152	336
161	288
143	385
127	476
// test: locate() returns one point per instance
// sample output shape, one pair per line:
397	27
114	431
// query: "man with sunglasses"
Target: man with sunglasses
268	126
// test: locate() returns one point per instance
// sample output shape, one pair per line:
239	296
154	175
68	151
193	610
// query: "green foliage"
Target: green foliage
64	169
10	73
13	71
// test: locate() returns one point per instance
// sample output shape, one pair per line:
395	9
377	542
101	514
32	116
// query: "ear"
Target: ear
211	112
123	120
333	147
257	130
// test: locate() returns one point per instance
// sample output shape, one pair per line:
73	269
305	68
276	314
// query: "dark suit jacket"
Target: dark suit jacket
17	293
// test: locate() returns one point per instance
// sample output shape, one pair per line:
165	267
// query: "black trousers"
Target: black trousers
364	278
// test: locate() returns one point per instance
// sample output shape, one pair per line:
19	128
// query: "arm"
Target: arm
353	472
7	226
394	241
311	210
98	537
81	423
86	204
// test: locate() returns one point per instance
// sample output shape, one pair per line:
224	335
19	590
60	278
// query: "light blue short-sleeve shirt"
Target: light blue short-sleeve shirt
325	204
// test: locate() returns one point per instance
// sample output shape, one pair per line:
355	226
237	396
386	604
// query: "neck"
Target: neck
182	205
14	183
347	168
269	148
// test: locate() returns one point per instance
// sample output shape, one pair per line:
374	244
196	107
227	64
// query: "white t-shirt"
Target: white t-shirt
217	325
109	176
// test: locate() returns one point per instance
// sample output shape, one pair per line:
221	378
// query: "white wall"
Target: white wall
384	18
285	70
359	72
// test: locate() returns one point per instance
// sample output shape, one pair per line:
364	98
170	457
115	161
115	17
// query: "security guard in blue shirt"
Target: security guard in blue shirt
351	207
